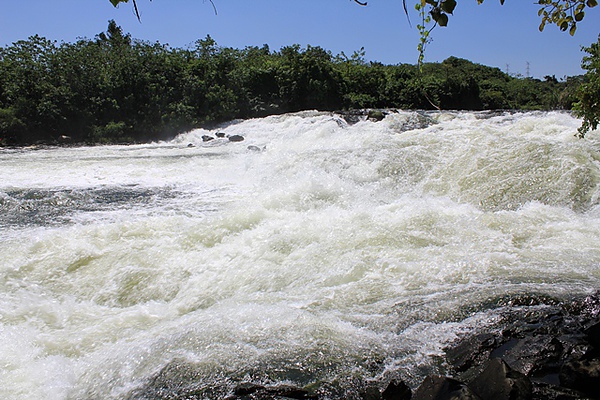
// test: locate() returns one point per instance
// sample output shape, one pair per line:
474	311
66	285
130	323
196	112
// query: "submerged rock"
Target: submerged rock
236	138
206	138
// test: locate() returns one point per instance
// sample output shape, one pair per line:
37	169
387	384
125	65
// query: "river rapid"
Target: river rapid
325	255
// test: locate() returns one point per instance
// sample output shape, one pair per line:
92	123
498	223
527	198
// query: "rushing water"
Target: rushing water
336	254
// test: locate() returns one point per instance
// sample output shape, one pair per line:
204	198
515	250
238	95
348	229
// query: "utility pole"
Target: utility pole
527	70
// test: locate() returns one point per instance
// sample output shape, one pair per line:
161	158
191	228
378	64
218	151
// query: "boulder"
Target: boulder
206	138
582	375
499	382
396	390
236	138
443	388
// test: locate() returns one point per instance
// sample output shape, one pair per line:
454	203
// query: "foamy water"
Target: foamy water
337	253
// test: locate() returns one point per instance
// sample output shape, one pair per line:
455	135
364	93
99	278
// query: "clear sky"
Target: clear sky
506	36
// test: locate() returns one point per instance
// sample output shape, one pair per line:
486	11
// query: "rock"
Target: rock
191	145
444	388
582	375
206	138
472	351
375	115
396	390
370	392
254	148
291	392
236	138
246	388
220	134
532	353
499	382
592	334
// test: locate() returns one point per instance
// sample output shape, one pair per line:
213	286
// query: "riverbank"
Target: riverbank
540	348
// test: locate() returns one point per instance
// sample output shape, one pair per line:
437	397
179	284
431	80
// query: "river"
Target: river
325	254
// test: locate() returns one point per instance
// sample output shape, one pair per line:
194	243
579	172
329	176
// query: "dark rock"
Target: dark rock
582	375
291	392
472	351
545	391
499	382
220	134
191	145
246	388
370	392
254	148
206	138
592	334
532	353
236	138
443	388
376	115
396	390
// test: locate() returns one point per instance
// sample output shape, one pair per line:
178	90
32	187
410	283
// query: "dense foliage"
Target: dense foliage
588	106
114	89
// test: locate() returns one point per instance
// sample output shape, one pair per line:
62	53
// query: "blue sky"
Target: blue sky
506	36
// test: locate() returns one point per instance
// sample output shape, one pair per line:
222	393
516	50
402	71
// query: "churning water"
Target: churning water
326	255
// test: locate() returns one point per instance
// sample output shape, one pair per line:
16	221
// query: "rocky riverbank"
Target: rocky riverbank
541	348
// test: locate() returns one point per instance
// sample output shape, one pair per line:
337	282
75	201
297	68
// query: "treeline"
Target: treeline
114	89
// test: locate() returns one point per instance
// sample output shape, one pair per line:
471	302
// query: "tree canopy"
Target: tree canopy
117	89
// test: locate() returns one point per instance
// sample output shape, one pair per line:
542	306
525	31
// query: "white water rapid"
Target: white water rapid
338	252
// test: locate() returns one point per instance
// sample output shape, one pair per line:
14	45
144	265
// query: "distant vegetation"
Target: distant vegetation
115	89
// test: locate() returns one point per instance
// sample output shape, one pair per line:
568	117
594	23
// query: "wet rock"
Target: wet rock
443	388
541	350
472	351
499	382
246	388
236	138
582	375
370	392
220	134
254	148
375	115
191	145
396	390
206	138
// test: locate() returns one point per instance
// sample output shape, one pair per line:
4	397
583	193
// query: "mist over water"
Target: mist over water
337	253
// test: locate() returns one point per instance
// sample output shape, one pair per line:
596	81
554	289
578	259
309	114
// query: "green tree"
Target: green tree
588	94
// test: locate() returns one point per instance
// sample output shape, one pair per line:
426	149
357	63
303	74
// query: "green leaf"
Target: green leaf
592	3
579	16
572	30
116	2
448	6
442	19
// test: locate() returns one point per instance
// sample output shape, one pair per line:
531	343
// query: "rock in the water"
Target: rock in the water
236	138
376	115
396	390
206	138
582	375
254	148
246	388
444	388
220	134
499	382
